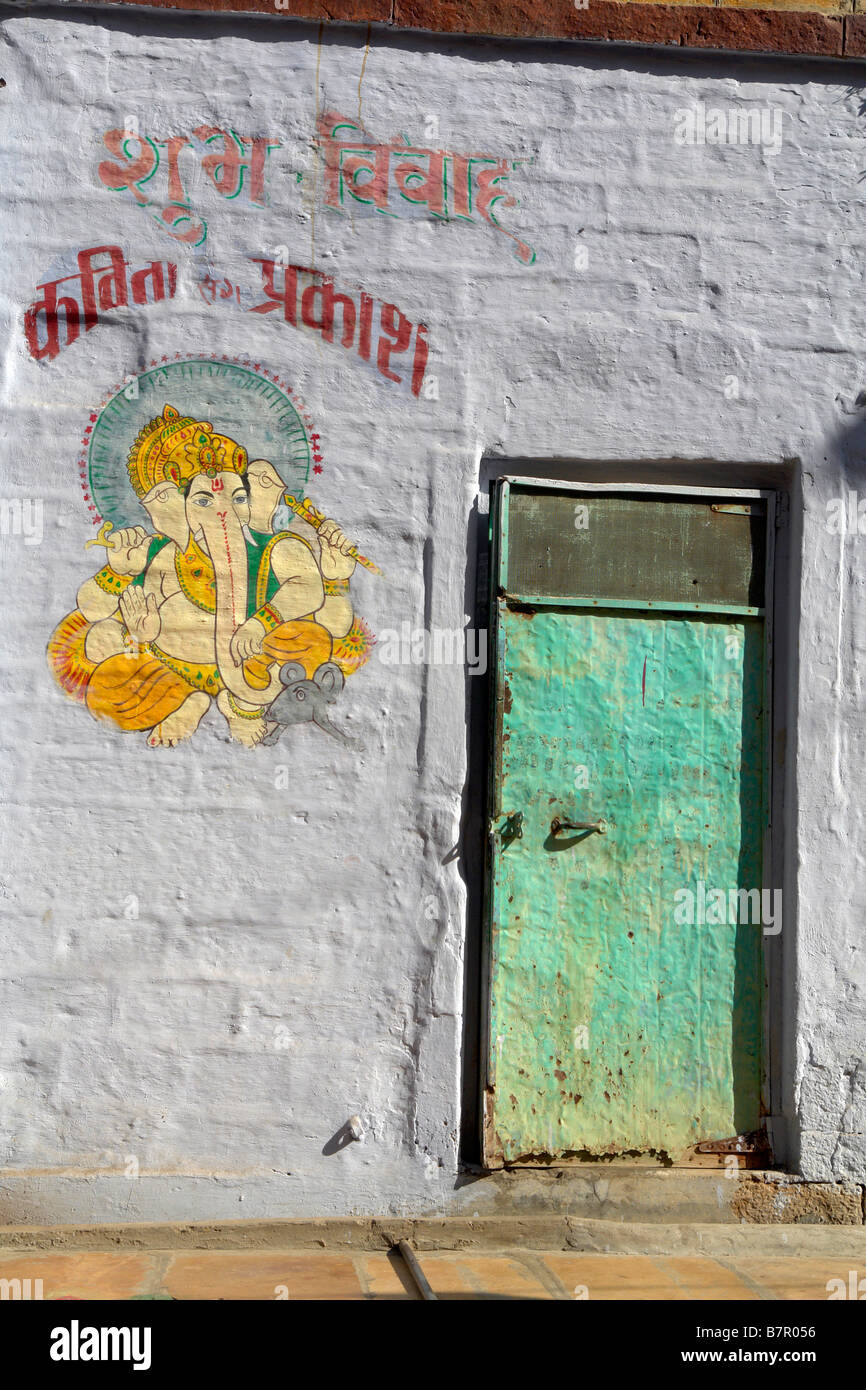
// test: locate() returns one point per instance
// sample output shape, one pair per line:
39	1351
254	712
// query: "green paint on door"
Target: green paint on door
625	993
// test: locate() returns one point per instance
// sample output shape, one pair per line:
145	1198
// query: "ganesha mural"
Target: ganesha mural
237	593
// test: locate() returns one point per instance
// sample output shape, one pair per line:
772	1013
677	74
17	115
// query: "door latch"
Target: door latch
513	827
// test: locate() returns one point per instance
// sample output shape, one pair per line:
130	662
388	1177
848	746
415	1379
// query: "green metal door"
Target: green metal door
625	1003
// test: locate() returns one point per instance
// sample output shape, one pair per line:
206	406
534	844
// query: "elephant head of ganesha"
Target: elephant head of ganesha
210	471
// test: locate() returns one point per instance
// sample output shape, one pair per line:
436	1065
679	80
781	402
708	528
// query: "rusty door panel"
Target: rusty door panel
613	1027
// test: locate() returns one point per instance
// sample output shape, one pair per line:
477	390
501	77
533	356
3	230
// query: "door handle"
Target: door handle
558	824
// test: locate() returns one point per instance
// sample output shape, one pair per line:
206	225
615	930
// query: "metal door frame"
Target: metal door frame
771	874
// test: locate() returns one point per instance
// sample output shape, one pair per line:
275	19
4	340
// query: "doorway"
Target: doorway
628	896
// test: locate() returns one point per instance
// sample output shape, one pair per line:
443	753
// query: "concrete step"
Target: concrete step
591	1235
663	1194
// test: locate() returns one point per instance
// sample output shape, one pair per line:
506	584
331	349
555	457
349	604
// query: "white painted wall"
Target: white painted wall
329	908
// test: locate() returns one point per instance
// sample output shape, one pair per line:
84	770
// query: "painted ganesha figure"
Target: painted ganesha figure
212	604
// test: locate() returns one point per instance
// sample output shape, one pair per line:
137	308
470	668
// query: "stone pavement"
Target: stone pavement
452	1274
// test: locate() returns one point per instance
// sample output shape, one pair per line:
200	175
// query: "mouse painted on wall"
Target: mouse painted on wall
305	700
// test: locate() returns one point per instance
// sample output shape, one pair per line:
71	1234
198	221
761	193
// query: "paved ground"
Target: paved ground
515	1274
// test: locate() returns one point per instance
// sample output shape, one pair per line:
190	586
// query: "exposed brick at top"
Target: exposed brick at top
825	28
789	31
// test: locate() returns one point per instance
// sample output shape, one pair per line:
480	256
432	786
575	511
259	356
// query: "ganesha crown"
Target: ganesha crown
176	448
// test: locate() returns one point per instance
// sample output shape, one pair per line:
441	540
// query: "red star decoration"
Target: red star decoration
317	468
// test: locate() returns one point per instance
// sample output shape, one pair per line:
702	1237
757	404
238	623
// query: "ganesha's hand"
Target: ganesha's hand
127	549
247	641
140	615
336	562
